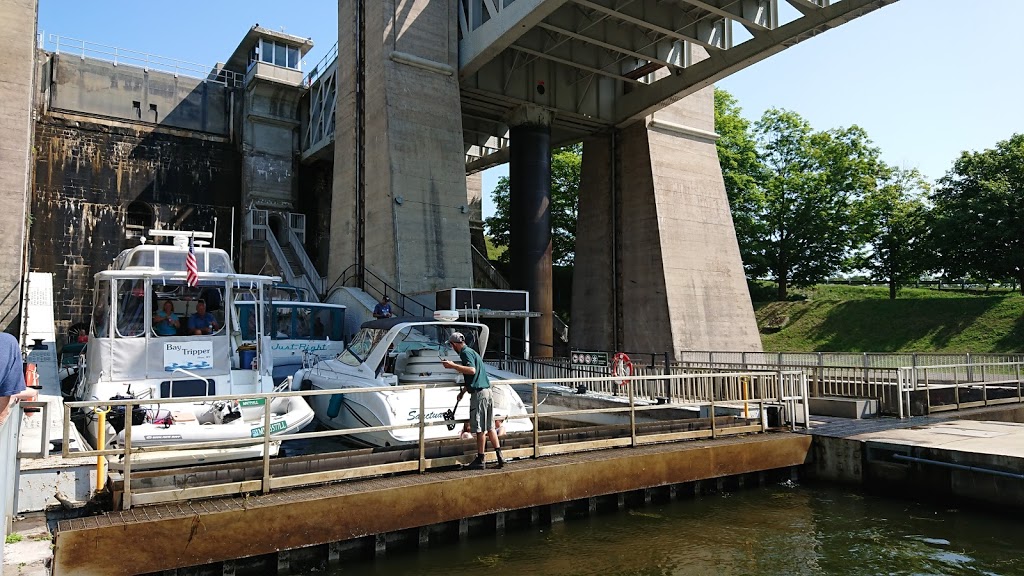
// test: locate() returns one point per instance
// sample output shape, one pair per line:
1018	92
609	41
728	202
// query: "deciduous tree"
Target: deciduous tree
895	220
978	226
811	182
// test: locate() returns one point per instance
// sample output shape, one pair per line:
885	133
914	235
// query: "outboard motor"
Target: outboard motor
116	416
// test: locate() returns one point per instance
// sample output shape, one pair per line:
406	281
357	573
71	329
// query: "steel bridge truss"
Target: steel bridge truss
596	64
606	63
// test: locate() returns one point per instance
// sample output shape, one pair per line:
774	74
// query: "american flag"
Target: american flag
191	270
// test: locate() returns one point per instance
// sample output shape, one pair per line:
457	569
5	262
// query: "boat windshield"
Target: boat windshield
418	337
361	345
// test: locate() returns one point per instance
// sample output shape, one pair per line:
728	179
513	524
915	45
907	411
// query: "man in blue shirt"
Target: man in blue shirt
383	308
202	322
12	375
481	406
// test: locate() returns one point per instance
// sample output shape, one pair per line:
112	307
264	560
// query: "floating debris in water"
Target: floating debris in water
789	484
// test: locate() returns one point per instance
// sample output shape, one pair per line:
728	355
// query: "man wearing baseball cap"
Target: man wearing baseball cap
481	408
383	308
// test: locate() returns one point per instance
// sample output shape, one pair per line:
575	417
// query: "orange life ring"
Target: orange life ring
621	367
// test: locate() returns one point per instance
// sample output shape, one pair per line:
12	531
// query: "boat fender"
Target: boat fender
334	408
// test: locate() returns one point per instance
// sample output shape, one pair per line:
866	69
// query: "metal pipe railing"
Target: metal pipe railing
714	391
145	60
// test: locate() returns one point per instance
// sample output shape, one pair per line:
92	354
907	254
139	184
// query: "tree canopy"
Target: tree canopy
978	224
894	217
792	191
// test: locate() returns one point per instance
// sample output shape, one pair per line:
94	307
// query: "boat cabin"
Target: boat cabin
153	328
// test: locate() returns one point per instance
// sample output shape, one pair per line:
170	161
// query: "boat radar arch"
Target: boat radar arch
446	315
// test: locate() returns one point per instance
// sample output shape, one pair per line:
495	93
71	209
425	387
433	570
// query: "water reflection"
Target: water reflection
779	530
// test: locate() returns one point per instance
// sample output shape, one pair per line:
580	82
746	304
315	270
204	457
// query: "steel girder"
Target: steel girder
603	63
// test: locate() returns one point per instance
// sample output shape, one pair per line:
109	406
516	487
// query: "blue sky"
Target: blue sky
926	79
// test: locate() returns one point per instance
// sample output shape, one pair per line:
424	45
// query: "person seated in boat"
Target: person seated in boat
248	322
202	322
165	322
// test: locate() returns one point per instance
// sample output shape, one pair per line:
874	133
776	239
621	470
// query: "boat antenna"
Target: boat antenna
215	231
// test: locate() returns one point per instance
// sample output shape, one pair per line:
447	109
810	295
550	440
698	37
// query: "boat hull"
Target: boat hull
391	407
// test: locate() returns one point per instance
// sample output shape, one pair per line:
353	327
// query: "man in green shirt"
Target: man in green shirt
481	407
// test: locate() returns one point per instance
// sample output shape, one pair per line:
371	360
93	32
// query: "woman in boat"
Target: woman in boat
165	322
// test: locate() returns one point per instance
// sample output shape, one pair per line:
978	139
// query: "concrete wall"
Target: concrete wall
128	93
595	310
474	198
88	173
16	90
413	148
680	283
269	144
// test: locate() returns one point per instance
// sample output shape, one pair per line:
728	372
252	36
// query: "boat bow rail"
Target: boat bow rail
747	395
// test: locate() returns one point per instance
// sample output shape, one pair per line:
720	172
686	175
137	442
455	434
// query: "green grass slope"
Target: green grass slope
863	319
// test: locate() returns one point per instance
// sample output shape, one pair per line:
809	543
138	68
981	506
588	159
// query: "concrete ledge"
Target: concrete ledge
854	408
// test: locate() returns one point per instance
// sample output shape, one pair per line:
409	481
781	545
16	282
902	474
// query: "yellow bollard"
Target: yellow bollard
746	409
101	460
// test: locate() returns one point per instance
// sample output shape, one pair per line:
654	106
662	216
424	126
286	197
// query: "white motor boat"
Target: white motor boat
390	352
154	336
298	331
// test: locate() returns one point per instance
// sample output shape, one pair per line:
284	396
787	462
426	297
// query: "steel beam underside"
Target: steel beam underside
608	63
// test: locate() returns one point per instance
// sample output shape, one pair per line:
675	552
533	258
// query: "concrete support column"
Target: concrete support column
16	90
658	268
530	215
474	197
399	202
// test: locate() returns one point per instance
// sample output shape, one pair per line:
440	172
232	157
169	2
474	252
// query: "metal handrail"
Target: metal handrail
312	275
145	60
323	64
44	429
359	276
739	390
290	276
495	275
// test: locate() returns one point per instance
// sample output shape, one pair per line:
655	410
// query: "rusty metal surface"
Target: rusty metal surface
208	531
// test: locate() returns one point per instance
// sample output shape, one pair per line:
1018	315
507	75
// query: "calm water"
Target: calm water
778	530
